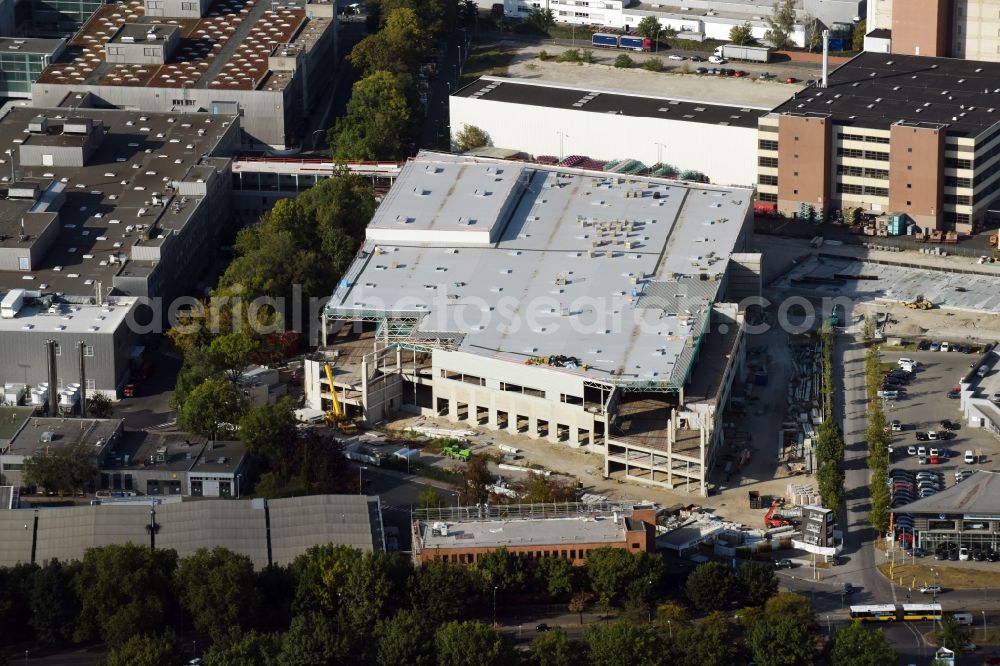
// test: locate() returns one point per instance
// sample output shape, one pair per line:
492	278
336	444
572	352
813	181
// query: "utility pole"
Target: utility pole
83	379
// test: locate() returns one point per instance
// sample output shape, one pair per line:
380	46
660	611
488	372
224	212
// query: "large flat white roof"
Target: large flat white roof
522	532
616	271
49	314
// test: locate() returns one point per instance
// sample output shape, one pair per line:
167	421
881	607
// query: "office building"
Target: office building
592	309
966	514
889	134
967	29
22	61
267	63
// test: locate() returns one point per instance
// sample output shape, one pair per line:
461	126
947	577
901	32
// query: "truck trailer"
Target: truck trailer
746	53
604	41
635	43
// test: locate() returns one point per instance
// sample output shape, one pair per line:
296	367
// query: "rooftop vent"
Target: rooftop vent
38	124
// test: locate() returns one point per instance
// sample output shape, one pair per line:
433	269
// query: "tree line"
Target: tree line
829	438
337	605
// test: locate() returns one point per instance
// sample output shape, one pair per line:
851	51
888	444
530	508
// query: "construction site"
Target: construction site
592	311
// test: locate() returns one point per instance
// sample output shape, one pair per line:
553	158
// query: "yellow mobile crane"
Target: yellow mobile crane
336	416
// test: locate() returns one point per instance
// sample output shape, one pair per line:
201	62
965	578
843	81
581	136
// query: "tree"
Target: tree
501	569
478	479
624	61
783	642
313	639
248	648
233	352
429	498
704	646
653	65
857	645
540	489
397	48
124	591
952	635
742	34
377	120
54	605
858	36
441	590
554	648
649	27
542	20
790	606
142	650
615	573
99	406
470	137
218	589
811	32
209	407
405	638
16	591
621	643
711	586
464	643
62	469
758	582
269	429
780	23
669	615
578	604
554	575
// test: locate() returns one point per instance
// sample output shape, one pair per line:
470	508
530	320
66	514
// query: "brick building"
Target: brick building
535	531
939	28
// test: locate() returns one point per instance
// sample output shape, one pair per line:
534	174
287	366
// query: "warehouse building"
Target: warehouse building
889	134
718	140
581	307
966	514
22	61
269	532
266	62
967	29
535	531
43	436
980	394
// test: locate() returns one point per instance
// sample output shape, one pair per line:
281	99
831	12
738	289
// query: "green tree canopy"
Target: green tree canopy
61	469
209	406
377	122
615	573
711	586
790	606
233	352
465	643
269	429
501	569
143	650
16	591
99	406
313	639
741	34
54	604
405	638
555	648
622	643
540	19
442	590
758	582
124	591
782	642
430	498
857	645
248	648
703	646
780	24
858	36
396	48
554	575
952	635
470	137
649	27
218	589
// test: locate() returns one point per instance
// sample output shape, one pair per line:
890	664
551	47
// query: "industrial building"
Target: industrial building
269	532
263	61
129	462
718	140
980	394
888	134
967	514
592	309
691	19
535	531
967	29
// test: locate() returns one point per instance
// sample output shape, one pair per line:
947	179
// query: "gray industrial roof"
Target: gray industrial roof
559	96
71	317
64	432
521	532
560	272
180	452
30	45
240	525
977	495
141	154
880	89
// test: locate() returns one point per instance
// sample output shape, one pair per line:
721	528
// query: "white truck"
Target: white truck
746	53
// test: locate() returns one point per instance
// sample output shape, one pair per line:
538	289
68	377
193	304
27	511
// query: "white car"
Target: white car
933	452
944	346
907	361
716	60
921	450
932	435
896	426
674	56
963	554
969	458
995	398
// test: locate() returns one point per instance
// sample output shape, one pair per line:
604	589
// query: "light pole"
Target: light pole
495	605
562	135
360	486
670	629
659	152
238	477
984	625
829	627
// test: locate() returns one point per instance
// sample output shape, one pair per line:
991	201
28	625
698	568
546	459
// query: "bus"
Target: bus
921	612
874	613
896	613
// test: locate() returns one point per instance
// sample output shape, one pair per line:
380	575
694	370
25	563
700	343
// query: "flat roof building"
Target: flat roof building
981	394
42	436
269	532
22	60
583	307
569	531
939	28
717	140
967	514
263	61
889	134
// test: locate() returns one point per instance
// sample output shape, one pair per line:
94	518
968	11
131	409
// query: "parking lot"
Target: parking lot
924	404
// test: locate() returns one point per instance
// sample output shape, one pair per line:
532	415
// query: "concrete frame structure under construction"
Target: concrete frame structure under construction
580	307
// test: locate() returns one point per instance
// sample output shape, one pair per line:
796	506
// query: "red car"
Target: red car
791	79
739	74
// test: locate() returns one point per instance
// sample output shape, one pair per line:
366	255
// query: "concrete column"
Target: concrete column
512	422
533	426
491	422
452	410
553	435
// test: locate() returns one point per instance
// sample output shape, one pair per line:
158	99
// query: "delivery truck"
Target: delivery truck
745	53
633	43
604	41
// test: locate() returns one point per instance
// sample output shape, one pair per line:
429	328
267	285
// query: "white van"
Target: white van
964	619
983	370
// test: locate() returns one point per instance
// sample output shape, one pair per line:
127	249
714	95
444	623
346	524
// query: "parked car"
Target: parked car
849	589
955	393
922	436
921	450
716	60
702	70
944	346
922	460
924	345
791	79
931	589
969	458
912	450
935	346
695	58
783	564
674	56
949	425
963	554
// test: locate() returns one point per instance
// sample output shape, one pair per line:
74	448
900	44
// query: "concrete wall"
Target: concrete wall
916	168
803	162
726	154
921	27
975	30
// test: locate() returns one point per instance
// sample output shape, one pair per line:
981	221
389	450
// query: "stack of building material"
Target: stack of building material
802	494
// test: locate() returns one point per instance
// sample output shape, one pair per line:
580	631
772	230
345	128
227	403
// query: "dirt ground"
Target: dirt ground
950	575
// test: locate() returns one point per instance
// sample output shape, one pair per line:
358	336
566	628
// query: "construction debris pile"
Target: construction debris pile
795	439
557	361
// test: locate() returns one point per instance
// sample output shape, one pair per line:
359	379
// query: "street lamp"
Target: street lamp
495	605
360	486
562	135
670	629
238	477
829	627
984	625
